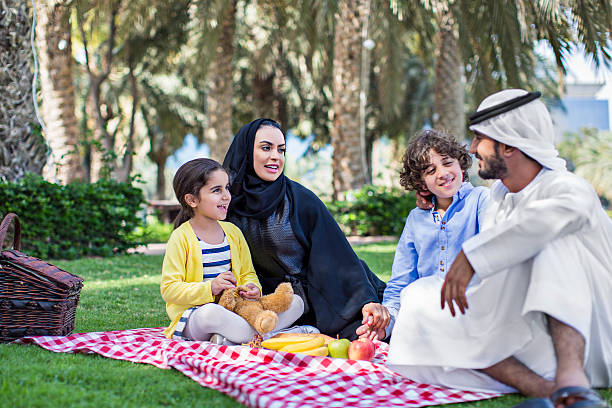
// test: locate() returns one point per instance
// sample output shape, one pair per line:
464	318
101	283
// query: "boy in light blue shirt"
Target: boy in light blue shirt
434	164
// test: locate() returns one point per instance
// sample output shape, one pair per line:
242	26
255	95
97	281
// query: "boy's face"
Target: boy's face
443	176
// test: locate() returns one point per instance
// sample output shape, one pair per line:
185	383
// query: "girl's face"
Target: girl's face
213	199
443	176
269	153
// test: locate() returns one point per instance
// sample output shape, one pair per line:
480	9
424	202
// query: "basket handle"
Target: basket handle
4	229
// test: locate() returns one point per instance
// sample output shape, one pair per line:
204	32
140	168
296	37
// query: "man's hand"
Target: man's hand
253	293
455	284
423	200
225	280
376	318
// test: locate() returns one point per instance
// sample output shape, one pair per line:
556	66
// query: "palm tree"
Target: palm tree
214	42
284	55
448	88
98	65
492	44
23	149
290	77
401	90
219	133
139	39
393	79
168	116
348	164
54	43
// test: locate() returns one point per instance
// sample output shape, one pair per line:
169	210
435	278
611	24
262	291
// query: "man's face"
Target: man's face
491	164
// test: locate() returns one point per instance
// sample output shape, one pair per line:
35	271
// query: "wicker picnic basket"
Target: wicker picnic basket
36	298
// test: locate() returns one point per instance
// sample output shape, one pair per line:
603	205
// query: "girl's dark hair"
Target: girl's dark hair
189	179
416	158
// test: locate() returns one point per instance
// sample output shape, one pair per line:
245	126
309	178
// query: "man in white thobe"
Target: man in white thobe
533	288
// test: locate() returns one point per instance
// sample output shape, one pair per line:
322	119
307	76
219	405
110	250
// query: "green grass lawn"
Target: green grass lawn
123	293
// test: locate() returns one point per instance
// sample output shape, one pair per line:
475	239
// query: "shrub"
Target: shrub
73	220
374	211
153	232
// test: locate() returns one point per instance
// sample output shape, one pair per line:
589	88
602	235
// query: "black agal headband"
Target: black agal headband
503	107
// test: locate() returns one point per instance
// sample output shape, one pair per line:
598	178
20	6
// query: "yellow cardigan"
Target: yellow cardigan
182	271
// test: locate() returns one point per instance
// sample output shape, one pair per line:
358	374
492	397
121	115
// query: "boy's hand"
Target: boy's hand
253	293
225	280
376	318
423	200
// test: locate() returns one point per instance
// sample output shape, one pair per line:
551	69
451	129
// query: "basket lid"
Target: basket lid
60	277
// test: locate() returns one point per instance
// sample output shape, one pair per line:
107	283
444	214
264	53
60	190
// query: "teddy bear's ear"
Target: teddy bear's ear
280	300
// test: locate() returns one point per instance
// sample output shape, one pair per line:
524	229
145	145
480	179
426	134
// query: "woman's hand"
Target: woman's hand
253	293
376	318
225	280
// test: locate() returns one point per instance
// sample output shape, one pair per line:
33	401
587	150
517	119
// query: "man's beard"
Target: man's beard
494	167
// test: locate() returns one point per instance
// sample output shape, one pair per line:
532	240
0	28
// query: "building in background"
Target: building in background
582	106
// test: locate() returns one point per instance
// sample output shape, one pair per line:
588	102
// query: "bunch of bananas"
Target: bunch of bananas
310	344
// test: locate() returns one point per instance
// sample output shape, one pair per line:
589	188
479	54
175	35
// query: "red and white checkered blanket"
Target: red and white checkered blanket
264	378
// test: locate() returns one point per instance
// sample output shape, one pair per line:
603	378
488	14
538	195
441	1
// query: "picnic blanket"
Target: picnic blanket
264	378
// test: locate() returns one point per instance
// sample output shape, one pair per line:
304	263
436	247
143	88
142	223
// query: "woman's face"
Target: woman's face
269	153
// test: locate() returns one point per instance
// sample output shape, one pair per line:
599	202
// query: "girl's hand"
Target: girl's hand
253	293
225	280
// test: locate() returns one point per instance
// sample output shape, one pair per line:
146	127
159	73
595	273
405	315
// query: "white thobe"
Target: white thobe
545	250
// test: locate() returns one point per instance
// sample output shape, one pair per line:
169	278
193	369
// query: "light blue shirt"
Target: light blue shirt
429	244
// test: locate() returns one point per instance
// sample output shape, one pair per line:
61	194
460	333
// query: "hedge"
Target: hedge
374	210
78	219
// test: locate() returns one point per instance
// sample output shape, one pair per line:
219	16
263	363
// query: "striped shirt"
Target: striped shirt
216	259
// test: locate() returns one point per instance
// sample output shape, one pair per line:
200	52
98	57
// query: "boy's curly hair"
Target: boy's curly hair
416	157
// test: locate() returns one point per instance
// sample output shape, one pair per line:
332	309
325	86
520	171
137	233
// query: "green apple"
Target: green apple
339	348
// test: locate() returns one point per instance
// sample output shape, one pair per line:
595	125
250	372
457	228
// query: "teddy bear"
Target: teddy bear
261	314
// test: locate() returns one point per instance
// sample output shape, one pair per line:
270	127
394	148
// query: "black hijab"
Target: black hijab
251	196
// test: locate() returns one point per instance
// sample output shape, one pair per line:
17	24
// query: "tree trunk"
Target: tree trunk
264	101
22	150
94	147
267	102
158	152
347	163
54	43
449	114
102	144
160	184
124	168
159	155
218	134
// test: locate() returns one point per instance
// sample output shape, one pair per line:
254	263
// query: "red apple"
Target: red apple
361	349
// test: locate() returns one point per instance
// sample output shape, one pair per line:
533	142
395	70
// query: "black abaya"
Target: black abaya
333	281
293	238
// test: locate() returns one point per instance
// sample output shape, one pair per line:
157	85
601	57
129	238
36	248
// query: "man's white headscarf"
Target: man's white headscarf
527	127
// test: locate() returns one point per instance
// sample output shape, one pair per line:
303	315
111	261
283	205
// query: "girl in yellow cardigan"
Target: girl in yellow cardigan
205	256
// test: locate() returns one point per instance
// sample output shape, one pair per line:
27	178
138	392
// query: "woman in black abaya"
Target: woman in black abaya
293	237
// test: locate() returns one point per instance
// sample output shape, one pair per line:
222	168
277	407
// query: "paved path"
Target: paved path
160	249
